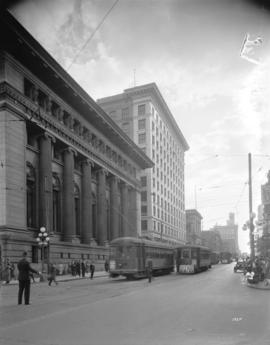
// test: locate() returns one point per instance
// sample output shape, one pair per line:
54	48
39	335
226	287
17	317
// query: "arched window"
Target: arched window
56	204
30	196
77	209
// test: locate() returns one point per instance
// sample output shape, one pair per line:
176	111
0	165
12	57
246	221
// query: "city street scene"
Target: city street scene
134	172
213	307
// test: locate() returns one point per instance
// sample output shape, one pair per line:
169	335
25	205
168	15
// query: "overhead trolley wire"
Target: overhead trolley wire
92	35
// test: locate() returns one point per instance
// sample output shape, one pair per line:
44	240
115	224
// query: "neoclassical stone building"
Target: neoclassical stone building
64	164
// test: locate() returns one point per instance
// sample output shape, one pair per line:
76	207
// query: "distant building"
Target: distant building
144	116
229	235
193	226
212	240
262	233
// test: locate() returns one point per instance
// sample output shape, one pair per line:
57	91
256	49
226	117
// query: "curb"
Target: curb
59	280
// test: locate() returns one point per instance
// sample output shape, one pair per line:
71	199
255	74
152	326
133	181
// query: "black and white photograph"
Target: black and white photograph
134	172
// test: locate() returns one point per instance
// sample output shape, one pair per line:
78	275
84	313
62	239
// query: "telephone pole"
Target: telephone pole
251	215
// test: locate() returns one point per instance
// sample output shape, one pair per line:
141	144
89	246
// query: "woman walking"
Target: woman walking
52	274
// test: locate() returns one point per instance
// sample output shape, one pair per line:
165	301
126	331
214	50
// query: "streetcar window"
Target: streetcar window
123	251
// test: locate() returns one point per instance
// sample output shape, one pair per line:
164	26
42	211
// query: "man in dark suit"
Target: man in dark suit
24	279
149	270
92	270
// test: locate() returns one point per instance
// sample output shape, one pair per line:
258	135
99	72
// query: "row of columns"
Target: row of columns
128	207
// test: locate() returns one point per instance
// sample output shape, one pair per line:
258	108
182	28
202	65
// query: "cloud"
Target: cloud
253	106
94	76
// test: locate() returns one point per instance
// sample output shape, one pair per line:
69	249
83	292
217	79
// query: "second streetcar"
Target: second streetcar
192	259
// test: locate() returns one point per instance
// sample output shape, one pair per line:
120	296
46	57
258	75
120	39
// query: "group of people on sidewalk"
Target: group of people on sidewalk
7	271
80	268
26	274
257	270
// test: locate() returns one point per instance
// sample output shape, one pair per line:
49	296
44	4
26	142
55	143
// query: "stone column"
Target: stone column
45	182
124	209
115	208
133	230
138	211
68	195
101	208
87	231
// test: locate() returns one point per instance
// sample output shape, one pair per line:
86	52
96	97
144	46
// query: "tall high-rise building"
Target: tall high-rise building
193	226
145	117
212	240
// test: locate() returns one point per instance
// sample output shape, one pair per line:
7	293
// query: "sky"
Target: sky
191	50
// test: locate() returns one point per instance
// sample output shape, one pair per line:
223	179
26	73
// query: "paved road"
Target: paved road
212	308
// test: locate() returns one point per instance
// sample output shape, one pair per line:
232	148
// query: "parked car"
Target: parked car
240	266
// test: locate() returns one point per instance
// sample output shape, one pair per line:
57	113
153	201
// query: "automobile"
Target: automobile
240	266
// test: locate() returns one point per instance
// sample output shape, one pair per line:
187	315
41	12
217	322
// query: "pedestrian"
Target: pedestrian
78	268
24	279
149	270
52	274
87	266
12	271
106	266
7	271
83	268
267	268
92	270
73	268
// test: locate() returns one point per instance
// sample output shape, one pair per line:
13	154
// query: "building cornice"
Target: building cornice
152	89
25	109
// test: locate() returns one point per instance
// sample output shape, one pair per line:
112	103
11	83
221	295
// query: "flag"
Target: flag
250	50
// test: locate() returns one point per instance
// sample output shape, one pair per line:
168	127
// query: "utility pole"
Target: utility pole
251	215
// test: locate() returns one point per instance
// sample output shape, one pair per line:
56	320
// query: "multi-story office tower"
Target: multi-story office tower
144	115
193	226
212	240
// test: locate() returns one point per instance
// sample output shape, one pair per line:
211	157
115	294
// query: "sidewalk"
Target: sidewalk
63	278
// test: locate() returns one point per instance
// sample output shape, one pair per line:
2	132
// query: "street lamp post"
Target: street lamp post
250	225
43	241
251	235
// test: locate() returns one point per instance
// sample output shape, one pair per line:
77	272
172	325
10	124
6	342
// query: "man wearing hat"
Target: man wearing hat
25	271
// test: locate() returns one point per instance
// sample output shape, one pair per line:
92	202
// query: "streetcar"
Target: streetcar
192	259
215	257
225	257
130	257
